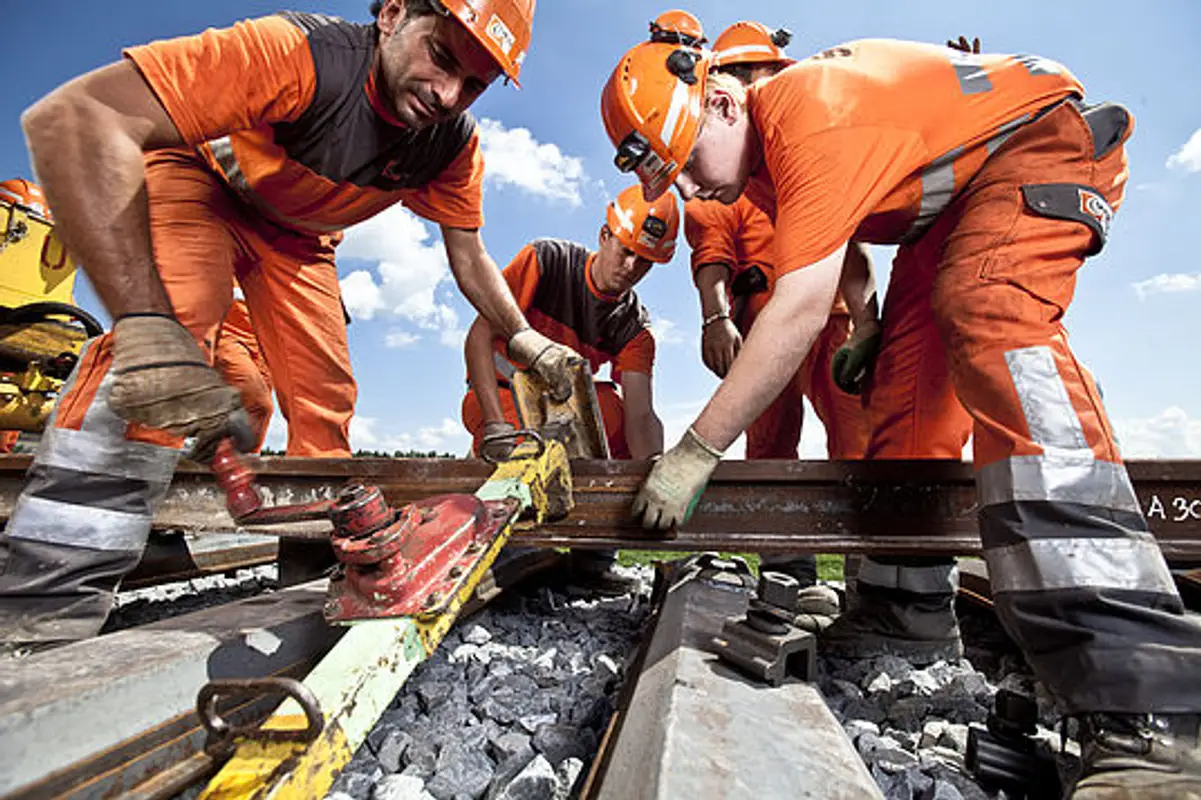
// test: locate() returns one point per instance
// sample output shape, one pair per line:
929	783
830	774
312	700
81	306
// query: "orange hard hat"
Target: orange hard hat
651	106
678	27
503	27
26	194
647	228
750	43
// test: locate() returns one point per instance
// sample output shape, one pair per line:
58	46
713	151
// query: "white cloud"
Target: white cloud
449	436
362	433
401	339
1188	157
1167	283
361	294
1169	434
514	157
411	267
666	332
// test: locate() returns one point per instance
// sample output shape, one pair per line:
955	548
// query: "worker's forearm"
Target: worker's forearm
858	287
783	334
710	282
95	181
769	358
644	435
480	281
481	373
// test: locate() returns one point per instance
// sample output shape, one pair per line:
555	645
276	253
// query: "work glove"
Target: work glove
498	442
675	484
549	360
964	45
853	362
162	380
720	343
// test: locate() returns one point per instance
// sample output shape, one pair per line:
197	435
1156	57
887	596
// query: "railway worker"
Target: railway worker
586	301
239	151
993	167
733	269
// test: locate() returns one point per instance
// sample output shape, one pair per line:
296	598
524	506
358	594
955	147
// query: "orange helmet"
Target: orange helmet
503	27
750	43
649	229
651	106
27	195
678	27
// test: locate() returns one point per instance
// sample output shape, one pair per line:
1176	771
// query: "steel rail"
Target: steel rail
689	725
916	507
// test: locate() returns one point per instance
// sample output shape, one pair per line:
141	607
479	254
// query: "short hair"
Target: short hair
727	83
415	8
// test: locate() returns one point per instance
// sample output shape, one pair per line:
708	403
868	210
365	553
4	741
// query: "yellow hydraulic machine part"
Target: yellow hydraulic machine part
41	328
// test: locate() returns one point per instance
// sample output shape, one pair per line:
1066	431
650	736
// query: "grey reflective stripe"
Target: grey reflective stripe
1075	477
938	186
1004	132
1132	564
939	579
103	453
223	151
100	446
504	366
938	179
1044	397
1037	65
972	77
38	519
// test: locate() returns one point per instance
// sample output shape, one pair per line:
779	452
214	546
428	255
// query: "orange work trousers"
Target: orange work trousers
911	406
776	433
203	239
238	356
611	407
1079	583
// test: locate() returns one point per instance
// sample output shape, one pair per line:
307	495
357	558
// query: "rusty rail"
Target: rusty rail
920	507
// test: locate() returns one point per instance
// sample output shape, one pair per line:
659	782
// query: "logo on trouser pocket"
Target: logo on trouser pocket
1094	205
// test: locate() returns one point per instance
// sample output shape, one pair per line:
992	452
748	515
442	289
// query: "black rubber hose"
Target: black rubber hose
37	312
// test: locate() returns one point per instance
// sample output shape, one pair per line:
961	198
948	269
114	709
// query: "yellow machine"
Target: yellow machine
41	328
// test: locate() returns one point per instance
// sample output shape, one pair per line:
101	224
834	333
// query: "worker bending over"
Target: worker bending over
239	151
584	300
996	168
733	260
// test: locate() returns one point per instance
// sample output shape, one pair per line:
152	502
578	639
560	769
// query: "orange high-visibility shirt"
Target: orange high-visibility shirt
285	109
872	139
551	279
739	235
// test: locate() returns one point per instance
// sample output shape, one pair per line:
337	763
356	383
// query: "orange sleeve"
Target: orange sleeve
711	229
637	356
255	73
827	177
456	197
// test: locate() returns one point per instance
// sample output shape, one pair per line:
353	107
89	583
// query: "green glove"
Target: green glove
853	364
675	484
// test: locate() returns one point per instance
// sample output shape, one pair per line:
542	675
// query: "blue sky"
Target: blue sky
1135	320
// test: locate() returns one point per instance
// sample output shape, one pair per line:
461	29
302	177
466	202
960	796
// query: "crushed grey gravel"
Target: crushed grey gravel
511	706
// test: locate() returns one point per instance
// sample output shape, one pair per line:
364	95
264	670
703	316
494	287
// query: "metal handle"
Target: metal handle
223	734
512	435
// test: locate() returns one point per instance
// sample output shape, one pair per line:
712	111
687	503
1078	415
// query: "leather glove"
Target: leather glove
853	364
498	442
675	484
549	360
162	380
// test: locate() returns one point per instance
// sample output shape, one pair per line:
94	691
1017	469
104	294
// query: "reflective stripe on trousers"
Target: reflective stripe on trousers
1078	581
82	520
